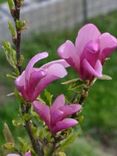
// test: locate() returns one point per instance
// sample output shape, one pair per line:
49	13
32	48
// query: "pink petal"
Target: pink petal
28	154
35	78
21	85
56	116
89	71
64	111
91	53
107	44
59	102
67	51
43	111
53	72
57	70
60	61
37	75
31	63
98	68
70	109
87	33
64	124
20	81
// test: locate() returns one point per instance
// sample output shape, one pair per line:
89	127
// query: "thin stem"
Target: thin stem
35	142
52	150
17	42
74	97
84	93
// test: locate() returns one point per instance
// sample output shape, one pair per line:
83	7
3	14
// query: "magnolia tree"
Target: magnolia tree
52	125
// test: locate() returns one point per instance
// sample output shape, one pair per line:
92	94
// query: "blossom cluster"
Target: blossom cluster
87	57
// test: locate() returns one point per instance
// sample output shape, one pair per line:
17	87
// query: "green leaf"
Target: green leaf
48	97
24	145
7	134
70	81
21	59
60	154
26	117
11	76
11	4
12	30
68	140
18	122
10	54
9	146
40	99
105	77
11	94
74	84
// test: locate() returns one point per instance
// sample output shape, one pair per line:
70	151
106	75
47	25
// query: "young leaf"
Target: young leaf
11	76
7	134
105	77
48	97
9	146
12	30
24	144
11	4
70	81
68	140
10	54
60	154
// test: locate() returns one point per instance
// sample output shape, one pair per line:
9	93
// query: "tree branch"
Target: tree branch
17	42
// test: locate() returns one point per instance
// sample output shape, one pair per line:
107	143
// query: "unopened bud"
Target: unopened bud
20	25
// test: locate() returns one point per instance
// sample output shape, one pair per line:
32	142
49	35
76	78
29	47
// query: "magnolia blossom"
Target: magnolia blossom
89	52
57	116
33	80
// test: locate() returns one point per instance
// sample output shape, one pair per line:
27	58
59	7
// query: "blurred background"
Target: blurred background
49	24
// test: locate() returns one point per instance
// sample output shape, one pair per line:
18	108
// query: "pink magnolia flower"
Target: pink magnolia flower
89	52
56	117
33	80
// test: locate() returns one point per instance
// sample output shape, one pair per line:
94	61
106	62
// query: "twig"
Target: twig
85	92
17	42
35	142
51	152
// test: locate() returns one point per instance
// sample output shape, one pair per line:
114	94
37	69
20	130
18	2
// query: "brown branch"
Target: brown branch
36	144
17	41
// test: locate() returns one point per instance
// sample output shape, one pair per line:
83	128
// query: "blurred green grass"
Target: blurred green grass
1	1
100	110
82	147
